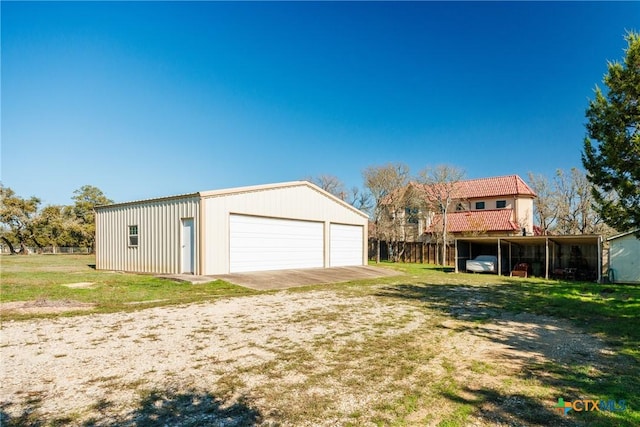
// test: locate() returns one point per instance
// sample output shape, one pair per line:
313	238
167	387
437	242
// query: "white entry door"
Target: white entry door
188	246
347	244
261	244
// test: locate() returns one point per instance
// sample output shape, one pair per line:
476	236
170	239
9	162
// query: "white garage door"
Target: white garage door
346	245
259	244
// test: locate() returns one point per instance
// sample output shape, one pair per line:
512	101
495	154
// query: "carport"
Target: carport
576	256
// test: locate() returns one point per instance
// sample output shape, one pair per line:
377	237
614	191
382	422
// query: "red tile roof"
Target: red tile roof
510	185
481	220
498	186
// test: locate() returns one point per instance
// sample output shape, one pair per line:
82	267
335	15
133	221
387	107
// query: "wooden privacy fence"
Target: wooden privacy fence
418	252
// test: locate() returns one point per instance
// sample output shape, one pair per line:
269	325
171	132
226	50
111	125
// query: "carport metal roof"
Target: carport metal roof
581	239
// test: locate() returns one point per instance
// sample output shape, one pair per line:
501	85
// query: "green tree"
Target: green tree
54	226
18	217
612	147
86	198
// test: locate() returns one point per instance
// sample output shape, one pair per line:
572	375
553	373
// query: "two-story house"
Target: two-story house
495	206
491	216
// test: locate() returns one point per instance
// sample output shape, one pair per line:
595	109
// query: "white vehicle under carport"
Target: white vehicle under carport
483	264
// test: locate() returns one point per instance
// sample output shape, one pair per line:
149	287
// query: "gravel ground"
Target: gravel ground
91	369
66	365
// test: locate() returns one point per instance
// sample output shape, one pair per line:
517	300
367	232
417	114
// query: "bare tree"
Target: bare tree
355	197
331	184
387	185
360	200
545	205
566	205
440	189
576	213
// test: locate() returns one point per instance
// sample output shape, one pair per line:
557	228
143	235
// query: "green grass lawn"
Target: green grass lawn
608	311
453	304
41	277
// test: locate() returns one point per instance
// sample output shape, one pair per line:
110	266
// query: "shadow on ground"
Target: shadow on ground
512	410
569	336
156	408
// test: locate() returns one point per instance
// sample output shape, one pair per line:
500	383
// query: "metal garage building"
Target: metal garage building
267	227
624	258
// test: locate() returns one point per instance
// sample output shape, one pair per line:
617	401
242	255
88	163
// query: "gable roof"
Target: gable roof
477	221
281	185
497	186
238	190
510	185
622	235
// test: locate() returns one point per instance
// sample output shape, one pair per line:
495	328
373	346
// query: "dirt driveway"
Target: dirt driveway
288	358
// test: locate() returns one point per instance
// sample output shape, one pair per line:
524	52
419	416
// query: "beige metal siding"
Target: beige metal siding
297	201
159	235
624	259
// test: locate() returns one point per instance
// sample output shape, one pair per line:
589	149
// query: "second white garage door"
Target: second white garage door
346	245
260	244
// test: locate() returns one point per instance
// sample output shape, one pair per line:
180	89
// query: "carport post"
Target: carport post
499	259
546	258
455	255
599	259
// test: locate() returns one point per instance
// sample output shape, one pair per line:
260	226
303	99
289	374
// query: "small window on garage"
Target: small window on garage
501	204
133	235
479	205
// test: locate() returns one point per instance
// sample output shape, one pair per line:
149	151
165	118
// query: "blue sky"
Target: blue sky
153	99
